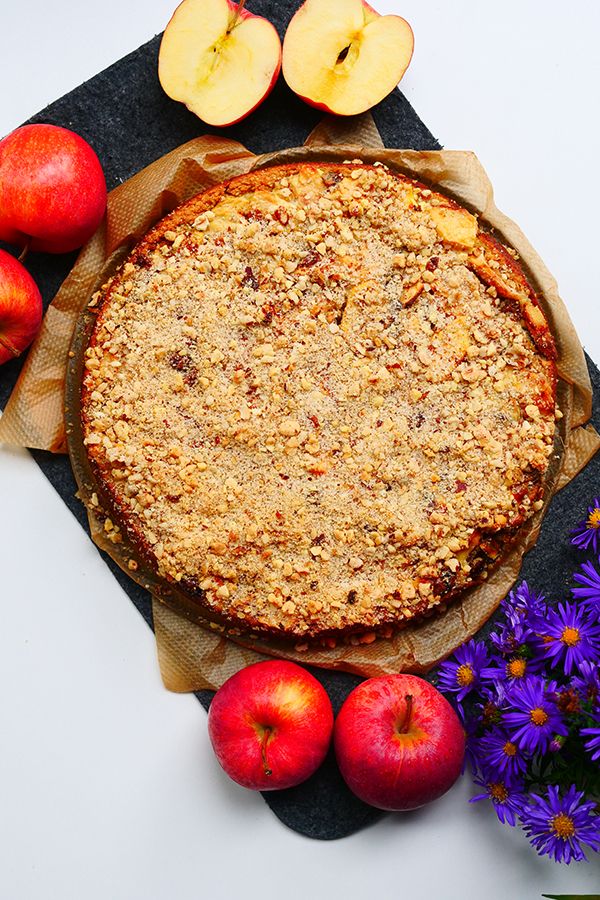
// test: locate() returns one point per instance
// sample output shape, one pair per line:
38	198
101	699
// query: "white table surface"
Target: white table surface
108	787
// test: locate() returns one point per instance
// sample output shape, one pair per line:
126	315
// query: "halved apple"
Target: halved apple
343	57
218	59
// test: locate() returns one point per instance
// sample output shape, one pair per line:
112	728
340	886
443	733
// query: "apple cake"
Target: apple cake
321	399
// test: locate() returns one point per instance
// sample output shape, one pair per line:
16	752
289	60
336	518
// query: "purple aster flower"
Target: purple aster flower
587	682
592	745
569	636
471	665
520	608
589	591
587	533
518	666
558	826
506	794
523	598
500	753
489	707
532	718
512	635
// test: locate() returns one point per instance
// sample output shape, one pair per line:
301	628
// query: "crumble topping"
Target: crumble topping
324	403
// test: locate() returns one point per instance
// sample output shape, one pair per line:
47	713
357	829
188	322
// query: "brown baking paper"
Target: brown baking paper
192	653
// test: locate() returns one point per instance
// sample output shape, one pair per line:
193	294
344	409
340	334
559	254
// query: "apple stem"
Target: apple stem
407	715
24	251
236	15
4	342
267	731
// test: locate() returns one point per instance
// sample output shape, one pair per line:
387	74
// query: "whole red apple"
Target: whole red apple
270	725
52	189
398	742
20	307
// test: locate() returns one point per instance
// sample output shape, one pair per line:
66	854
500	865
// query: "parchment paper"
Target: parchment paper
194	656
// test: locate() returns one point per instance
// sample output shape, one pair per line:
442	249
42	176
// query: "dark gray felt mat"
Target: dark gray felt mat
130	122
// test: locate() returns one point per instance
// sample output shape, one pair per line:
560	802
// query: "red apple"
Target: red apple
398	742
270	725
343	57
20	307
52	189
218	59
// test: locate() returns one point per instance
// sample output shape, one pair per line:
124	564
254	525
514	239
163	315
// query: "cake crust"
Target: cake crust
319	398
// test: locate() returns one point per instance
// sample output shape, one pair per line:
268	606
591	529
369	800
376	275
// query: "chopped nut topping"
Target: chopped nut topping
321	403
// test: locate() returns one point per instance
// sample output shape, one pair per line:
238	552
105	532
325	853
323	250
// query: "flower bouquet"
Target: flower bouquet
529	697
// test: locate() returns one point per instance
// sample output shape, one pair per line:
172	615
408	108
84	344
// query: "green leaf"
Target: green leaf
572	896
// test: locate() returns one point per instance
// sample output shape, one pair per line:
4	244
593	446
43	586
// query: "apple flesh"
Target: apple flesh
218	59
52	189
20	308
270	725
398	742
343	57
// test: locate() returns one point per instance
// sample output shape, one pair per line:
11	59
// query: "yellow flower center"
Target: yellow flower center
563	826
516	668
538	716
509	748
465	675
498	792
570	636
593	520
